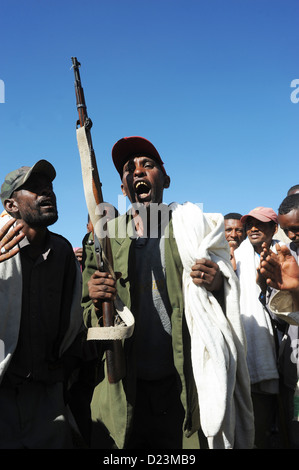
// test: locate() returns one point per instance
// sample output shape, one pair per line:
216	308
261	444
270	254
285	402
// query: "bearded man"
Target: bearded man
41	318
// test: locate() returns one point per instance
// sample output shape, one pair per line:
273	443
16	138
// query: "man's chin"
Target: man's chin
52	221
45	221
143	199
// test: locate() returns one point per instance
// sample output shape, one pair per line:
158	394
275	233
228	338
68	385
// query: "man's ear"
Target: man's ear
276	228
11	206
123	190
166	181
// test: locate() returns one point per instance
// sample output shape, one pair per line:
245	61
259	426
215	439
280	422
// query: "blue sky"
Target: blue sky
207	81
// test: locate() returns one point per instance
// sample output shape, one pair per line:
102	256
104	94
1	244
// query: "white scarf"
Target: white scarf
261	356
218	344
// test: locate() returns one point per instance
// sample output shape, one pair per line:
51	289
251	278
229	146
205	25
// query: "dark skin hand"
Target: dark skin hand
102	288
281	271
211	278
9	239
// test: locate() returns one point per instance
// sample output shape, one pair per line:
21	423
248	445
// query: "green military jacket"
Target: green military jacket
113	404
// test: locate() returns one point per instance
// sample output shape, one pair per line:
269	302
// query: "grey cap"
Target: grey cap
15	179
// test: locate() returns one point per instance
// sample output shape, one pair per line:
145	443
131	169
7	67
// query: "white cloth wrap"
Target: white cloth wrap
218	345
261	355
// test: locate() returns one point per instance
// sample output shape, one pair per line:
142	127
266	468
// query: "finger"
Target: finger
206	262
203	279
271	283
17	229
6	227
103	297
265	245
283	250
98	290
266	264
7	233
270	261
200	275
267	269
198	282
102	294
9	254
10	240
100	282
209	267
10	244
101	275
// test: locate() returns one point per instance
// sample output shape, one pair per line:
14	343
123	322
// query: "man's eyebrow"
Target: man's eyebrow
147	157
129	162
144	158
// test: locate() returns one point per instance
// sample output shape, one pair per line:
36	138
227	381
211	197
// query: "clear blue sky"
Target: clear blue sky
207	81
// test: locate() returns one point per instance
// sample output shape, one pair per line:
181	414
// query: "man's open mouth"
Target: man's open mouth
142	188
47	203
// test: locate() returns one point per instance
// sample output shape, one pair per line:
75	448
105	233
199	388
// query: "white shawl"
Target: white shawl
11	303
218	345
261	356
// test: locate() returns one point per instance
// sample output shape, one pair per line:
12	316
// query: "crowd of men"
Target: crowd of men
210	357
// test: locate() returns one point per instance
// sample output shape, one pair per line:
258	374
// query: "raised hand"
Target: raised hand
280	270
9	238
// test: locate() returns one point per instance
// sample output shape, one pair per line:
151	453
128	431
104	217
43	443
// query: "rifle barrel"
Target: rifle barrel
80	99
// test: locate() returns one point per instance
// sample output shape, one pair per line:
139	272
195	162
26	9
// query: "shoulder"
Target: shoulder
60	242
117	228
4	218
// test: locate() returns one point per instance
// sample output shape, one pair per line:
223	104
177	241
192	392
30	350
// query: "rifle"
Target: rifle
94	197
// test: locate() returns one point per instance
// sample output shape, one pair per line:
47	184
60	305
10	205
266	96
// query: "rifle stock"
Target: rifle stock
114	351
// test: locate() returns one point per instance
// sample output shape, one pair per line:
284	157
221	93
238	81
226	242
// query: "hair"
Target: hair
288	204
233	215
293	188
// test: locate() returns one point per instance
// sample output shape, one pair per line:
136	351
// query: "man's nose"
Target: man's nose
139	170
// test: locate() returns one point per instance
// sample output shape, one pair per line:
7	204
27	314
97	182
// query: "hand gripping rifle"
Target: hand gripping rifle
112	332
